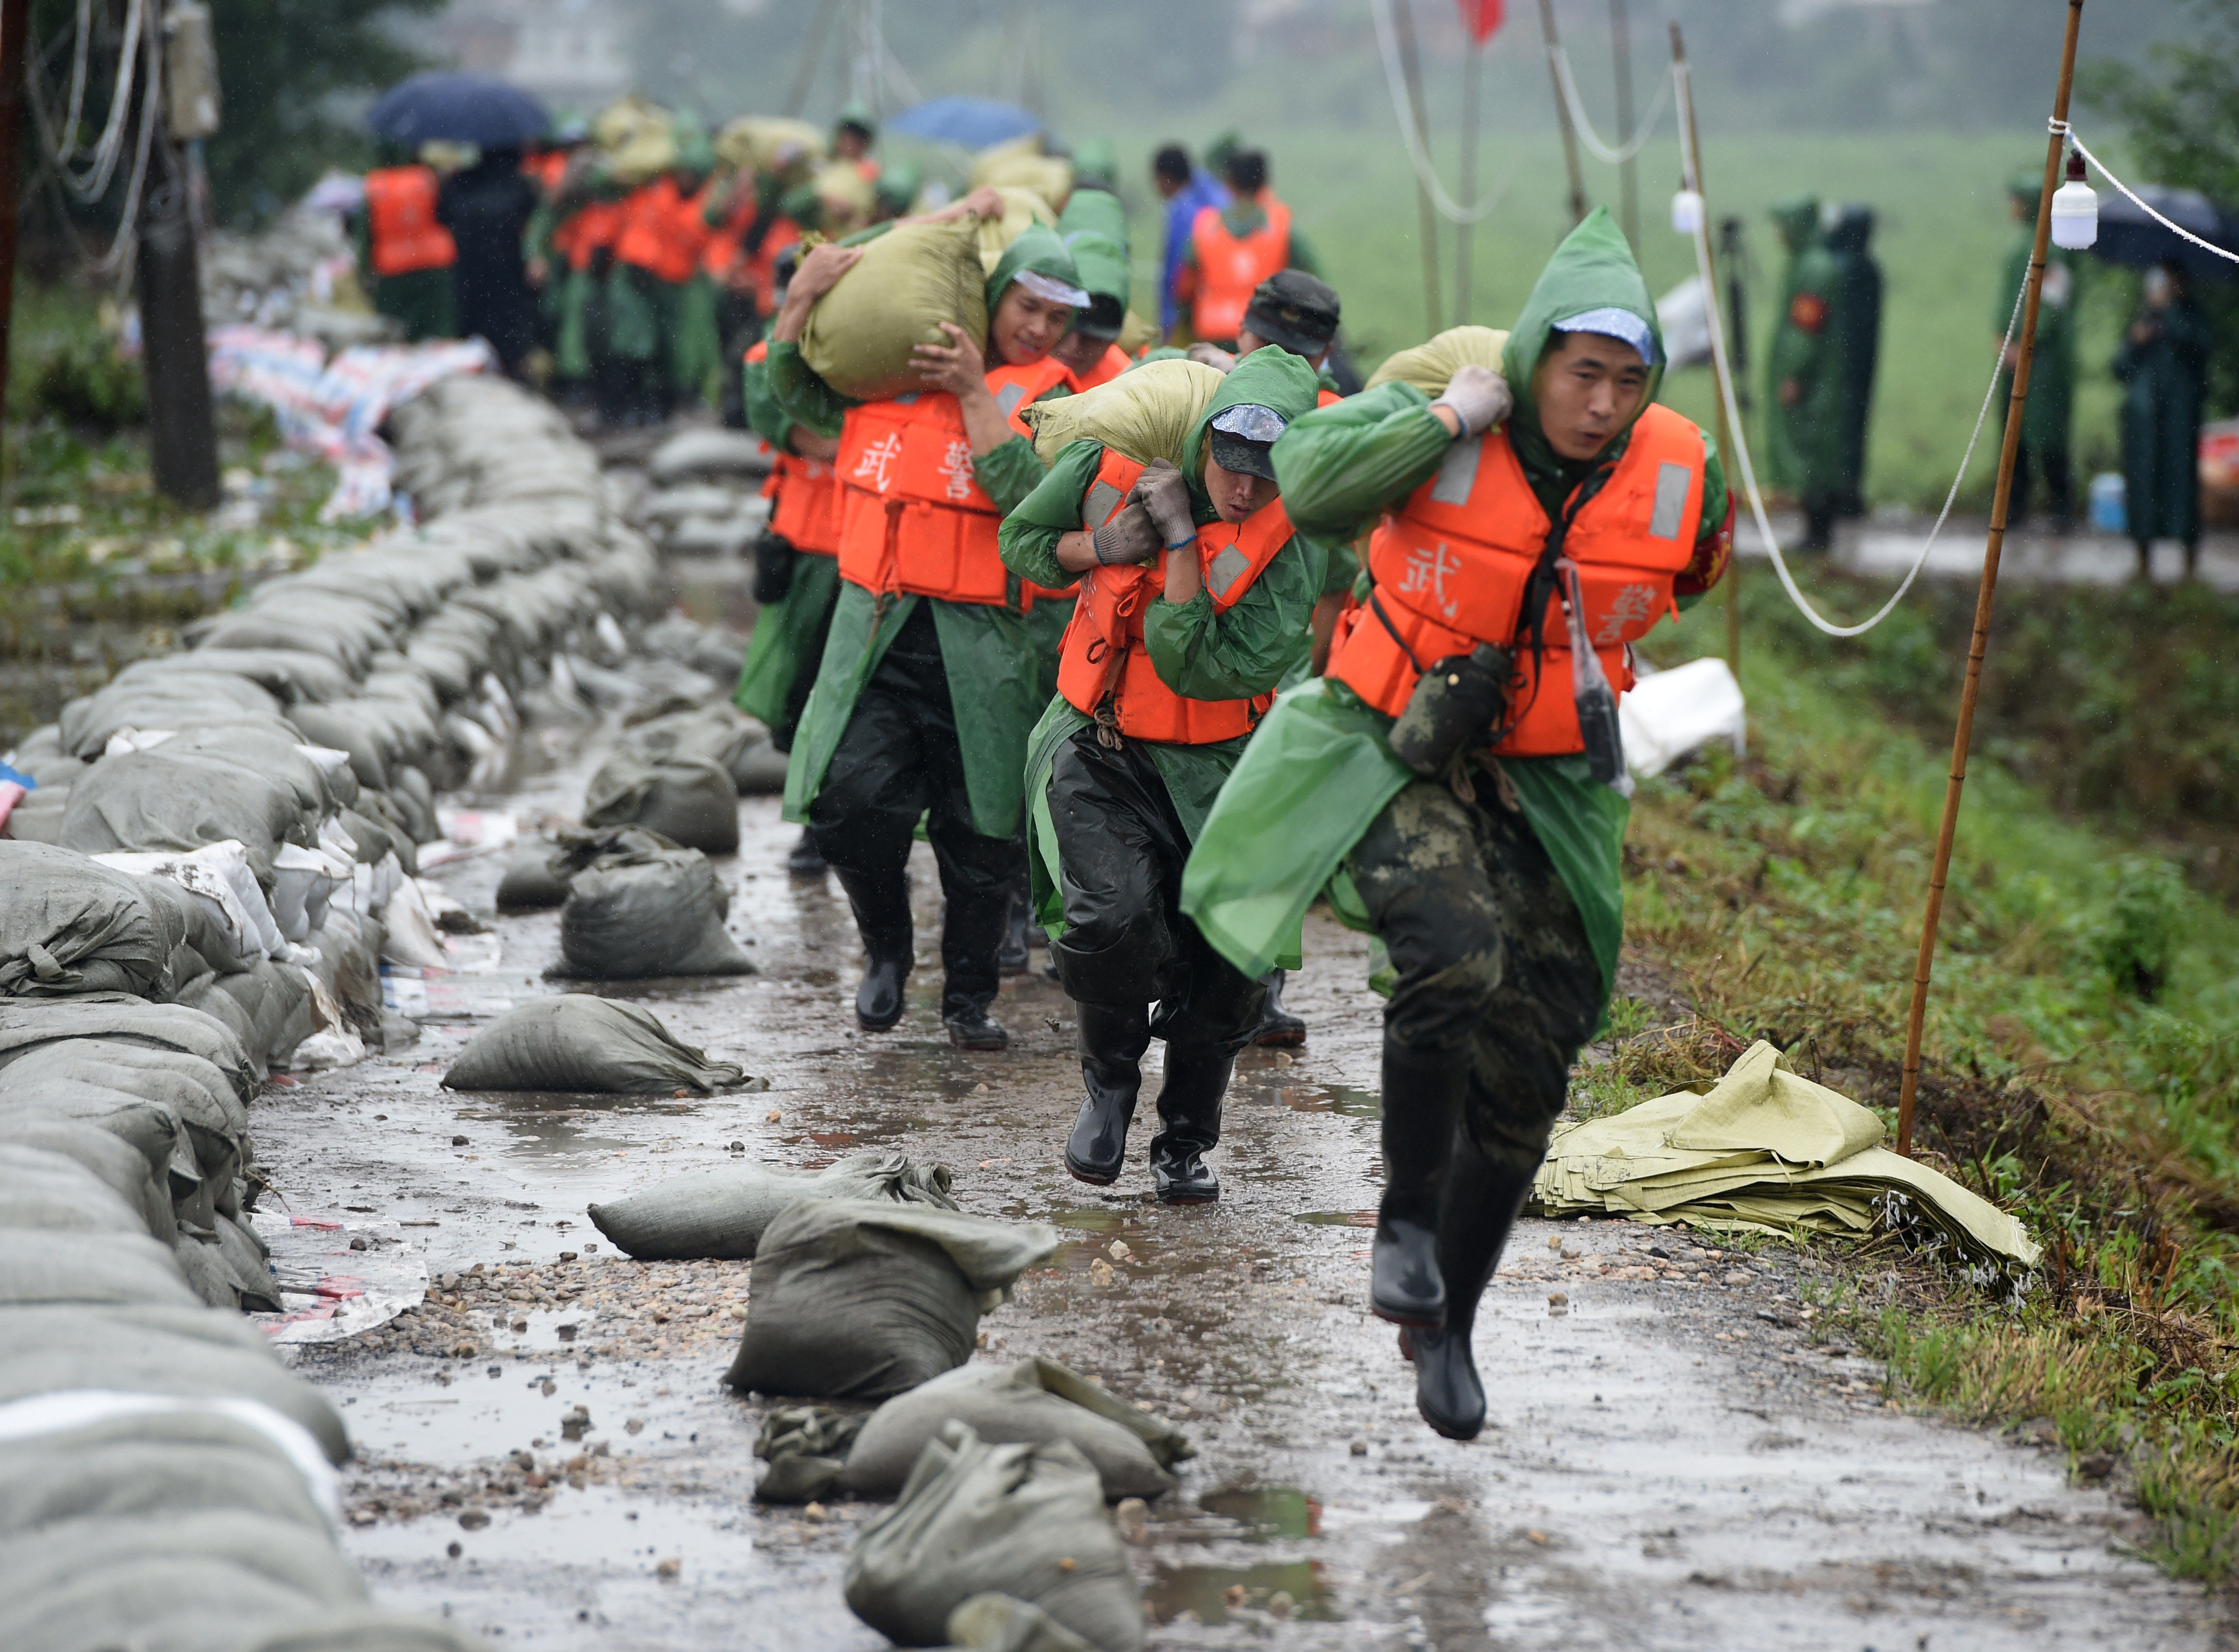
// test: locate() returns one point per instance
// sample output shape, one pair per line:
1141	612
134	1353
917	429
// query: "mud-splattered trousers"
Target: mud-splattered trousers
1494	970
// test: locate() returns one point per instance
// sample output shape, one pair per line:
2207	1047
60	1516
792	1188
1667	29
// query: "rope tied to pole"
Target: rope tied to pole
2061	128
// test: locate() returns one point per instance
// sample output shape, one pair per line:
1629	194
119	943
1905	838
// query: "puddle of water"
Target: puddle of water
1267	1511
478	1415
1114	1222
1333	1098
1210	1592
1337	1218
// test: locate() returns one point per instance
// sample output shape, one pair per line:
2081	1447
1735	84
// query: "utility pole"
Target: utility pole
182	427
1628	170
1563	115
1410	63
15	30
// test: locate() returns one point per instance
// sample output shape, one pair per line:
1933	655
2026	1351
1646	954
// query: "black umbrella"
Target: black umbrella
2129	235
458	109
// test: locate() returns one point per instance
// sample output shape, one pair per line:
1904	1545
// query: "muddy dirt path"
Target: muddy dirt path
549	1457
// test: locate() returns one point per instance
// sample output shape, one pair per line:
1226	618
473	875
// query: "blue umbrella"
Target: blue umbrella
2130	236
974	122
458	109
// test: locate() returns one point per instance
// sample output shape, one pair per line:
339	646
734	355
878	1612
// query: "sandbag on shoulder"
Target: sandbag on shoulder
722	1215
1431	365
1147	413
647	915
691	800
55	1194
974	1519
69	925
1030	1402
577	1043
859	335
860	1300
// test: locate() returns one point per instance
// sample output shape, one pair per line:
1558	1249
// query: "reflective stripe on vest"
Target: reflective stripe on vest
912	517
1230	268
1102	657
400	222
1450	568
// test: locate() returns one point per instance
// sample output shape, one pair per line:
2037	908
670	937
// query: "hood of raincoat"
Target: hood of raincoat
1103	265
1093	161
1799	222
1853	227
1093	212
1271	378
1592	269
694	155
1039	249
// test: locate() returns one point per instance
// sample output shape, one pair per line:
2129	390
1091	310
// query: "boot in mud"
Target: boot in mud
1189	1114
880	901
1013	958
970	944
1113	1040
806	860
1278	1028
1422	1098
1479	1207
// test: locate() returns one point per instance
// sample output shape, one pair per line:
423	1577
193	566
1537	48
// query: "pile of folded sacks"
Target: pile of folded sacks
199	889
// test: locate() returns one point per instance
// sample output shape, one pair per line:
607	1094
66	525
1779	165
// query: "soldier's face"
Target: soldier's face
1026	328
1236	494
1587	389
1078	351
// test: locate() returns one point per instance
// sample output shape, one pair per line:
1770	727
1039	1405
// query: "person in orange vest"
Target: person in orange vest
853	134
656	256
1194	591
1460	762
925	695
1233	249
405	255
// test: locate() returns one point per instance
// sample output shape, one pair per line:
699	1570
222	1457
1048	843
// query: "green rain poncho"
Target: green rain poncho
2164	380
1808	444
2047	415
1320	770
990	653
1798	223
1196	650
786	631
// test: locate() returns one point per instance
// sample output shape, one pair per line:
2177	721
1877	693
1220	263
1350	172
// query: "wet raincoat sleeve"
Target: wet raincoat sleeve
1343	465
1010	473
802	396
1204	654
1030	533
767	419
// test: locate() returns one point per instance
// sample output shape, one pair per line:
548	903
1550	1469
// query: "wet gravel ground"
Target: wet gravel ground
547	1455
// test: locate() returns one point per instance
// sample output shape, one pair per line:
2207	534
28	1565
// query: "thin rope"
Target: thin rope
1616	155
2069	132
1702	238
93	181
1387	46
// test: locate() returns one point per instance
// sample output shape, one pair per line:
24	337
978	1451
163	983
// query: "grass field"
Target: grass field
1941	240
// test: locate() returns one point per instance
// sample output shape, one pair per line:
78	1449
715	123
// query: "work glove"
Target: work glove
1479	399
1129	536
1163	491
1212	355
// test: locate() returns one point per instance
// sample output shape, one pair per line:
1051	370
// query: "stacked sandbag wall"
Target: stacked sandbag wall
195	894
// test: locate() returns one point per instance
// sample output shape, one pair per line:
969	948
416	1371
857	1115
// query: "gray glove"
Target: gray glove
1129	536
1163	491
1479	398
1212	355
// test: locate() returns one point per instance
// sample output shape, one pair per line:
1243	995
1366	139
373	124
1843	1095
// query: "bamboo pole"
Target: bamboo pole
1986	597
1718	367
1563	117
1411	64
1465	234
1628	170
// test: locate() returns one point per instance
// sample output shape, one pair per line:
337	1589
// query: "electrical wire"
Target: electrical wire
1614	156
1702	238
1387	46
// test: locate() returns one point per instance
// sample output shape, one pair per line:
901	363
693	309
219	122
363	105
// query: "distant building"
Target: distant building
569	53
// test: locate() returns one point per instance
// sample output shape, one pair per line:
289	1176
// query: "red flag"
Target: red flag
1481	18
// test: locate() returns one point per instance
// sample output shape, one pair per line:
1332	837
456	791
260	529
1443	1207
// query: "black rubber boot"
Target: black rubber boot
880	901
971	941
1479	1209
806	860
1278	1028
1189	1119
1421	1099
1012	959
1113	1040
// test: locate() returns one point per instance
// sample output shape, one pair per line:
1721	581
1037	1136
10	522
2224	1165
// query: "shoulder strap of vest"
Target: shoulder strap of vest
1015	387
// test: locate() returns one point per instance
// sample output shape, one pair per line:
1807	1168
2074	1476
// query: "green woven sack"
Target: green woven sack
860	334
1146	413
1430	366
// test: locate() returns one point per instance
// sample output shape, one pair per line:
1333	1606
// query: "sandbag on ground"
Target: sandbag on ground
153	1130
176	1463
540	873
974	1519
722	1216
576	1043
69	925
121	1166
1031	1403
88	1268
115	1018
721	733
34	1565
857	1301
183	800
690	800
194	1090
644	915
55	1194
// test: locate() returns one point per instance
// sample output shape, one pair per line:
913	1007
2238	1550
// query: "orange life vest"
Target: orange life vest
546	169
1452	564
1102	659
1230	268
400	221
725	253
663	231
588	230
1327	398
1106	368
912	519
804	494
762	263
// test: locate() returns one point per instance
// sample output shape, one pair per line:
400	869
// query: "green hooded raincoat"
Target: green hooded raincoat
786	633
1319	769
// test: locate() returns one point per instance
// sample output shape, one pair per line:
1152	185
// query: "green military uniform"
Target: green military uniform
788	637
1857	328
1111	817
2048	415
1808	431
2164	380
1502	924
